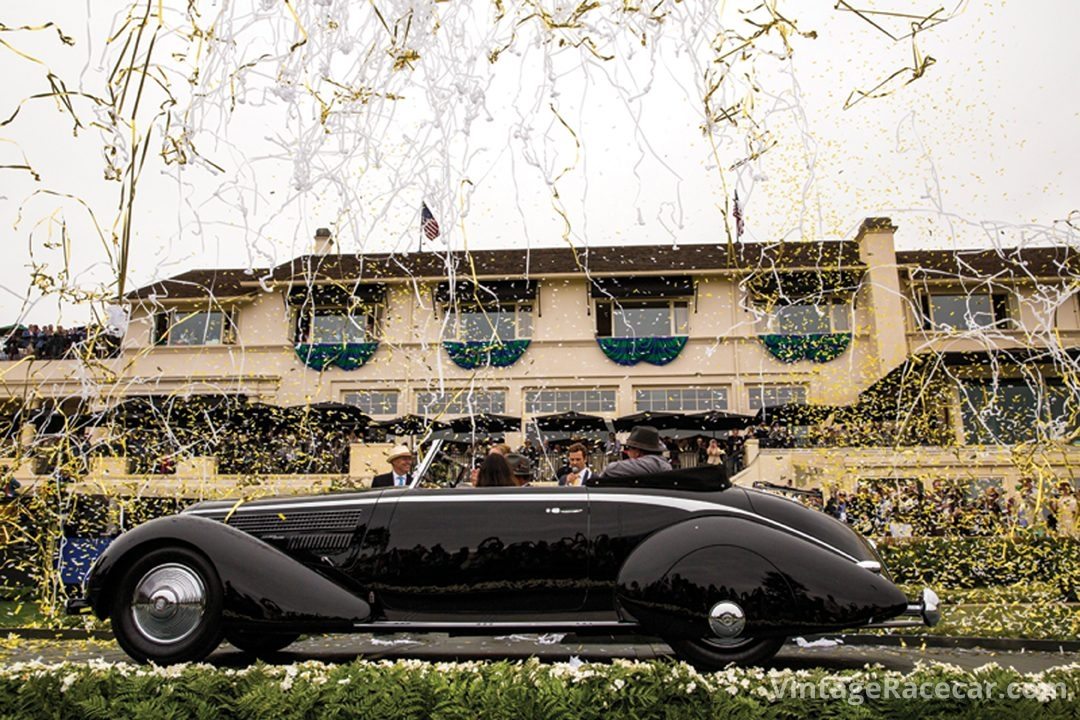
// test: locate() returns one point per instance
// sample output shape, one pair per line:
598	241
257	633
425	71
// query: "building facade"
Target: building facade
611	331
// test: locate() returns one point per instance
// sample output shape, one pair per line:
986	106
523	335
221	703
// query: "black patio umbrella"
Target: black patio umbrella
715	420
796	414
260	416
409	425
570	422
170	410
335	414
659	420
481	423
53	420
134	409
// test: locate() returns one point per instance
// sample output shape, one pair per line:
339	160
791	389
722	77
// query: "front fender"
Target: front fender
261	583
783	583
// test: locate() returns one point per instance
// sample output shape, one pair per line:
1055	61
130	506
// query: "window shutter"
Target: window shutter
161	328
927	321
228	329
1000	303
603	319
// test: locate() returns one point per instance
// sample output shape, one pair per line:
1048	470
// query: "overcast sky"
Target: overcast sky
548	145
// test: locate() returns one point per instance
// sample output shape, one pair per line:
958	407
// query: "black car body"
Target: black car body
721	573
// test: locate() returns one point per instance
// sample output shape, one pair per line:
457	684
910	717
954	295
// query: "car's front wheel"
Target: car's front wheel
711	654
260	643
167	608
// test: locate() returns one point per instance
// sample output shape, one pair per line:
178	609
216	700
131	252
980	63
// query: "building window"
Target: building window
591	400
337	326
504	321
1007	412
374	402
460	402
687	399
972	311
186	327
810	319
773	395
642	318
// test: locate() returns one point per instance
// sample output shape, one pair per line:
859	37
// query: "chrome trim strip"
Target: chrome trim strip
407	624
895	624
283	506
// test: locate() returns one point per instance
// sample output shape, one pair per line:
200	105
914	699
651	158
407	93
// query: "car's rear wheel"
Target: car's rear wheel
714	654
260	643
167	607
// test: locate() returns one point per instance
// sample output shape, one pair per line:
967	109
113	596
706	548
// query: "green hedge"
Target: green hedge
976	562
521	691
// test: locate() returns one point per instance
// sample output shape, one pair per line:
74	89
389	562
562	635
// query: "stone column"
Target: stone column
882	295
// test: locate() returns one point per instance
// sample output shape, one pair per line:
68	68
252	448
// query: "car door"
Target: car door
497	553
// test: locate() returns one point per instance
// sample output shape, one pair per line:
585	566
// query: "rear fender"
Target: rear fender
783	583
261	583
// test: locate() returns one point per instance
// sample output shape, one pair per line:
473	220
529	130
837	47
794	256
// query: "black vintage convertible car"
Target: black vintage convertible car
721	573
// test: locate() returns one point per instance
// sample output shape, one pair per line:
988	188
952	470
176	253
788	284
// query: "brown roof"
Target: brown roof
511	263
199	283
1006	263
549	261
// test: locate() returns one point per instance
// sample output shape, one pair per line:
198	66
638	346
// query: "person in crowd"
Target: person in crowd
531	450
734	450
702	451
838	506
1065	507
521	468
989	515
671	448
714	454
9	483
500	448
644	453
494	472
1023	512
577	471
401	462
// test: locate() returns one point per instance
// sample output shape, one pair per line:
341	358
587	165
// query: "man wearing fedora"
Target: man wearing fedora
522	468
401	460
644	453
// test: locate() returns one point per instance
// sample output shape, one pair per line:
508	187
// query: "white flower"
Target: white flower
68	681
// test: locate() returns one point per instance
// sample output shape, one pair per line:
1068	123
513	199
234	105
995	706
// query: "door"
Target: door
490	553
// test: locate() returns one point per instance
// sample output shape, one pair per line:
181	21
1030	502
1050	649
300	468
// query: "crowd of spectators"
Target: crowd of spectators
905	509
726	450
54	342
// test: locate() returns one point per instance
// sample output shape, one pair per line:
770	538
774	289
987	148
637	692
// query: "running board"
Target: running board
491	628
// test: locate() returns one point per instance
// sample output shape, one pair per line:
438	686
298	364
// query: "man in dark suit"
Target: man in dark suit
401	462
576	471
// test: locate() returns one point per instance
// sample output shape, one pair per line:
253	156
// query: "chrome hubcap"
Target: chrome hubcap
169	603
727	620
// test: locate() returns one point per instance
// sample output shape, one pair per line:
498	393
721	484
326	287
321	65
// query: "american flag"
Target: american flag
428	223
737	214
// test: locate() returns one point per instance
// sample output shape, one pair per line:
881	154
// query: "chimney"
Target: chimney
324	243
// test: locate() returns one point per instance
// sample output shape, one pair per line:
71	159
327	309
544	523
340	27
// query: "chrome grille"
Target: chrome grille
319	541
319	521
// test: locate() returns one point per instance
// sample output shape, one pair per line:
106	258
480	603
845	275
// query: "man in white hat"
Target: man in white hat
401	460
